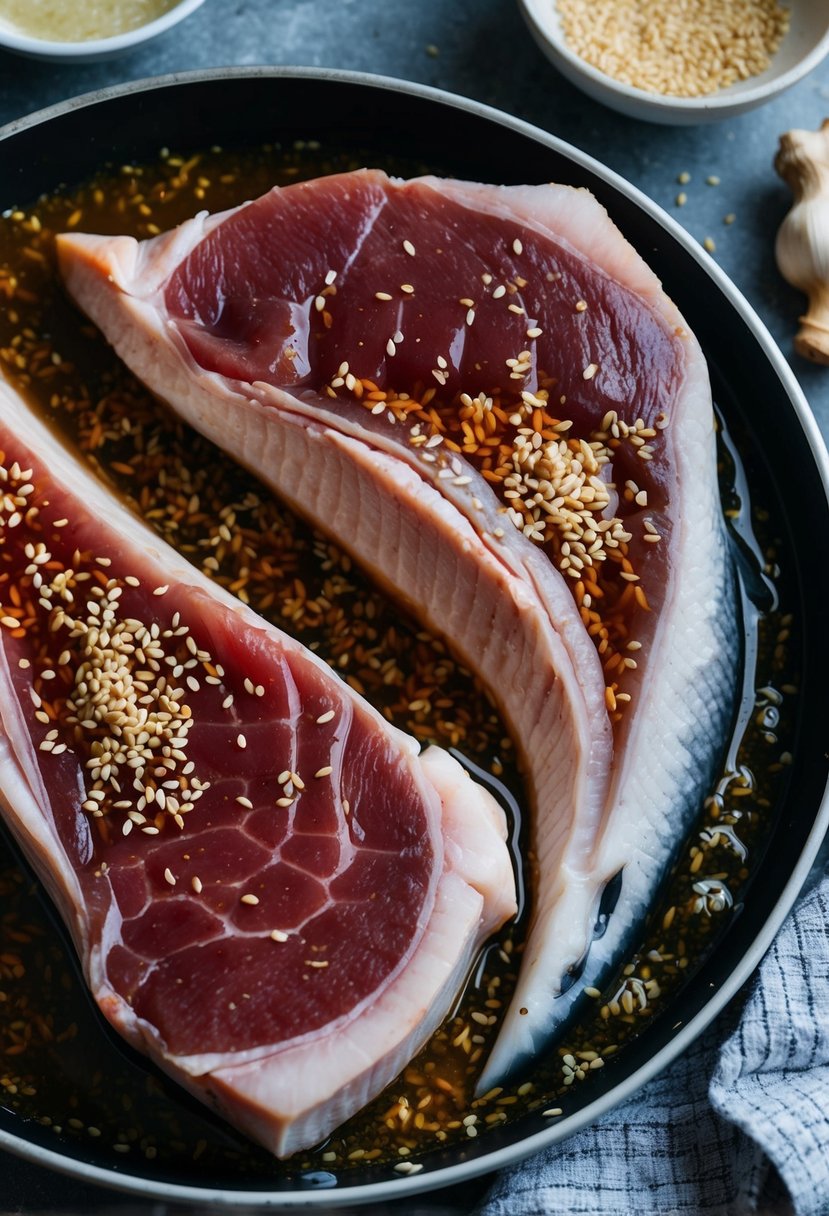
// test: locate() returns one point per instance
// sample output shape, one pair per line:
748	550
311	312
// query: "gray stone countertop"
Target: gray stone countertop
479	49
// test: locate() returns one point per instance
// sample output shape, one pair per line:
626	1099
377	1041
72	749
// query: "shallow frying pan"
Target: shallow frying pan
757	393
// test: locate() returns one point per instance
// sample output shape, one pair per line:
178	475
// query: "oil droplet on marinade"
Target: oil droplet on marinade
55	20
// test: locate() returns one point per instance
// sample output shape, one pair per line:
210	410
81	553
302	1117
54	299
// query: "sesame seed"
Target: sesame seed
378	295
251	900
658	50
278	936
161	590
517	247
325	771
590	371
409	248
169	877
245	802
196	884
326	717
407	288
241	741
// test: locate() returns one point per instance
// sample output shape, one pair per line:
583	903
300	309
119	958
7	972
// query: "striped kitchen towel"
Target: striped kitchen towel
738	1125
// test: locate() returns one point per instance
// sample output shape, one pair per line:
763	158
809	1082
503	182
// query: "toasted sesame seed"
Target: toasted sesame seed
658	50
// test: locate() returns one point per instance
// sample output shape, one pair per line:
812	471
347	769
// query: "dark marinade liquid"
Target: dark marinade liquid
79	1088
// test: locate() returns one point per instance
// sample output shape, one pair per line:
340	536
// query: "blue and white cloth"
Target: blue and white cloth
739	1125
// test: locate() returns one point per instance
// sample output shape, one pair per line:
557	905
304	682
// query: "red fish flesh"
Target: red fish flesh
323	334
273	894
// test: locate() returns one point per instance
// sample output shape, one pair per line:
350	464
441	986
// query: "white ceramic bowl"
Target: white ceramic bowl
803	48
92	48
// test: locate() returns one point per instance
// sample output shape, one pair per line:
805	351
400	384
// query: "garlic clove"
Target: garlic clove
802	245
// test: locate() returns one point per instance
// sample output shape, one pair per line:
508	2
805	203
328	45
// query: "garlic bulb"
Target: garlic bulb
802	247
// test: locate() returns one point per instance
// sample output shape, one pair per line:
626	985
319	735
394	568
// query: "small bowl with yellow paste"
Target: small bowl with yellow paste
82	31
681	63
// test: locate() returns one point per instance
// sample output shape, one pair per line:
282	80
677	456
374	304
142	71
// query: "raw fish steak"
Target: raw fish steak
484	394
273	894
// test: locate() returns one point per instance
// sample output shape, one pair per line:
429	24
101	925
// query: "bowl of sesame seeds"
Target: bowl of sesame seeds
681	64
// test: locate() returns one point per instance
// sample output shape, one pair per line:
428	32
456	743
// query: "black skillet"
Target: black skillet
753	384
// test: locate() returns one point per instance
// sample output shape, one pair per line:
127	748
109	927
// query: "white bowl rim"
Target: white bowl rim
225	1199
723	99
48	48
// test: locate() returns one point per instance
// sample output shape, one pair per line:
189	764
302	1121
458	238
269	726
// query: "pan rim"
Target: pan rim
444	1176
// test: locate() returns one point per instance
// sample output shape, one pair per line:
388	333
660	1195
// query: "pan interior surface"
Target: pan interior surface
752	388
